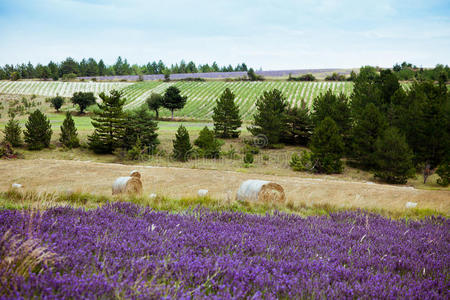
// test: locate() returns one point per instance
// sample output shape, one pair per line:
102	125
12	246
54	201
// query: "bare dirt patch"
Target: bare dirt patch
84	176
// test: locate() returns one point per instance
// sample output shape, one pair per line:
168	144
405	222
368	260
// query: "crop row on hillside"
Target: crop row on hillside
51	88
202	95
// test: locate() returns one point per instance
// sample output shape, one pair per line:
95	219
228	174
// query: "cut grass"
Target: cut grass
16	200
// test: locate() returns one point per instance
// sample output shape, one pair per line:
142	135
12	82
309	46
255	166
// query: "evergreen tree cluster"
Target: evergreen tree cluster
381	127
90	67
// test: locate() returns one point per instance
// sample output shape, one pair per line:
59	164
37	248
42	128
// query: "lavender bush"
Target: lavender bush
126	251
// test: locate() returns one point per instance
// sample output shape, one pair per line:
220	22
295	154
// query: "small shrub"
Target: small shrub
277	146
231	153
57	102
208	145
137	152
248	158
68	77
302	162
266	157
444	173
250	149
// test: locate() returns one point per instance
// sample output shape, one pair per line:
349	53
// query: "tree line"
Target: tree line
90	67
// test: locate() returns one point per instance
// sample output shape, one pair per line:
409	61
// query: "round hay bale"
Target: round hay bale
261	191
202	193
152	196
411	204
128	185
16	186
136	174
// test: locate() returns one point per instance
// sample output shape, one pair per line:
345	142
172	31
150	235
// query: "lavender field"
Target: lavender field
220	75
126	251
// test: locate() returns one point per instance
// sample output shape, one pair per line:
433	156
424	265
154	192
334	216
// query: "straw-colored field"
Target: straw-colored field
62	175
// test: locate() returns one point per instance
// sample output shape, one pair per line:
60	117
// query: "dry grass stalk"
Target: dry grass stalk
20	255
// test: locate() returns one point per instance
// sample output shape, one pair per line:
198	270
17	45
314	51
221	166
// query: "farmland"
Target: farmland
50	88
201	95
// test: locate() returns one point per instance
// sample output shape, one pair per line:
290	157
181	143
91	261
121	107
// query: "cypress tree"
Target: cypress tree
13	133
226	116
109	123
270	117
368	128
327	147
182	144
69	135
393	157
38	131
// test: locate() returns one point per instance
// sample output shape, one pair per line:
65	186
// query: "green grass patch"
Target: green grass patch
14	199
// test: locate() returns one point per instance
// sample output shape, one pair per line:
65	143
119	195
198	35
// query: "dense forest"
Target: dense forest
90	67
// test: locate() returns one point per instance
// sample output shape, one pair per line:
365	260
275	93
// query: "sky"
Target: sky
272	35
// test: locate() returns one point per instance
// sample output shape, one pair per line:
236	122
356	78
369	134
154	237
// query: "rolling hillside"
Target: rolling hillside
201	95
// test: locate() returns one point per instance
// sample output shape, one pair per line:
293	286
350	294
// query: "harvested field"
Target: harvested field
98	178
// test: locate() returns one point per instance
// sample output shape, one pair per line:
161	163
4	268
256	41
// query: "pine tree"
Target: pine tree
13	133
270	117
299	126
327	147
334	106
109	124
226	116
182	144
368	128
393	157
38	131
154	102
208	144
173	100
140	126
69	135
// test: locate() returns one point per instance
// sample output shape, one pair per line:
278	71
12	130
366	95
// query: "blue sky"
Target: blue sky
273	35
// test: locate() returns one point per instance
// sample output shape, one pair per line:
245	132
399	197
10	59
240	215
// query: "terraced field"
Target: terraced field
201	95
51	88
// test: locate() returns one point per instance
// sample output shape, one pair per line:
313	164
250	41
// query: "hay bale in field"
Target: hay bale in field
128	185
152	196
202	193
261	191
16	186
136	174
411	204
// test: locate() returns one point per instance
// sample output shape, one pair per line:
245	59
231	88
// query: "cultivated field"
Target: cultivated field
51	88
201	95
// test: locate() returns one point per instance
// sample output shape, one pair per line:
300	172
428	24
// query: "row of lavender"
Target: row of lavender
218	75
123	250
